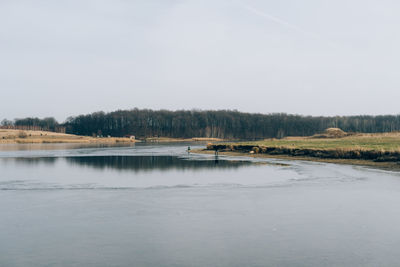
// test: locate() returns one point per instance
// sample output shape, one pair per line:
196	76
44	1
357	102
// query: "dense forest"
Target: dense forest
227	124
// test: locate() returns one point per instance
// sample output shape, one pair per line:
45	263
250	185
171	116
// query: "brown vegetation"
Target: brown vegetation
332	133
367	147
8	136
22	134
168	139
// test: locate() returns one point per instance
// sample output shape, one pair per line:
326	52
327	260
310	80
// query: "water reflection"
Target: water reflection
147	163
217	213
30	161
132	163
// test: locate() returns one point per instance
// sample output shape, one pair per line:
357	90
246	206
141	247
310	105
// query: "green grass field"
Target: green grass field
379	150
377	142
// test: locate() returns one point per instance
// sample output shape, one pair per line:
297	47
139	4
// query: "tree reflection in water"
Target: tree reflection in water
148	163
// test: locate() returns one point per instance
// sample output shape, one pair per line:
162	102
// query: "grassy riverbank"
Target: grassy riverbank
38	137
389	142
379	150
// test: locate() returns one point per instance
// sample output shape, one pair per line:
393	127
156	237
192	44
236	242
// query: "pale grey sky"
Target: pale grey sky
312	57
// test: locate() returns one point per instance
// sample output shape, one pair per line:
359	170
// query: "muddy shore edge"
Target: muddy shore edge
375	159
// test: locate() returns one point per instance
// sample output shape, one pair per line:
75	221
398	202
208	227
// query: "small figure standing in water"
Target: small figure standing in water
188	150
216	156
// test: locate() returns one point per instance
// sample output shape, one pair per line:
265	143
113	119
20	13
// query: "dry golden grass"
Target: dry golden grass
377	141
32	137
206	139
169	139
377	149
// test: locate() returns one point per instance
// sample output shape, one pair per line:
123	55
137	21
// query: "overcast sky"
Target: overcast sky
312	57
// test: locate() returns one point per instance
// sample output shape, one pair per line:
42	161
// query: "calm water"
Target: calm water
155	205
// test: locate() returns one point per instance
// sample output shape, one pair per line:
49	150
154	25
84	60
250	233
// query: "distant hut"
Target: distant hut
130	136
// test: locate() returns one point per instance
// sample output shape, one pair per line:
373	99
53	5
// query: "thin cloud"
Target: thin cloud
286	24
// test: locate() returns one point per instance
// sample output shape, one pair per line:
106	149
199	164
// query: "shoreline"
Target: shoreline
66	141
99	140
10	136
388	166
170	139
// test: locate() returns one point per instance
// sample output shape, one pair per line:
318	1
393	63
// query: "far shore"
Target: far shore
193	139
8	136
45	137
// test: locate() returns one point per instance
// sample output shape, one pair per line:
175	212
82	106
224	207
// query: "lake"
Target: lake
157	205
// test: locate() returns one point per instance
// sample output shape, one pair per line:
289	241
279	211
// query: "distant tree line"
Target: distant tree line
228	124
49	123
